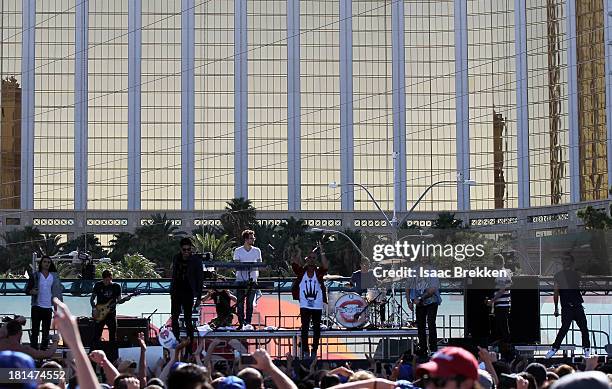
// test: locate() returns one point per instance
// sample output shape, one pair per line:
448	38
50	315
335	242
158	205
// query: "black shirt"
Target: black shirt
568	282
223	302
106	293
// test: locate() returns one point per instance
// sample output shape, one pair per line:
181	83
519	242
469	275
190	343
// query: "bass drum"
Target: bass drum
351	311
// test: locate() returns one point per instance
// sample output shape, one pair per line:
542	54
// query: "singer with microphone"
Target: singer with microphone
308	288
424	299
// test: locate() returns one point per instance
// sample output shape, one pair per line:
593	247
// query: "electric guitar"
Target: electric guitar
102	310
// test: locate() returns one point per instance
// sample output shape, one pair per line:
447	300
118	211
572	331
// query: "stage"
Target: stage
333	342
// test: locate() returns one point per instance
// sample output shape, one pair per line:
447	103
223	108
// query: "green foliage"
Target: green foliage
123	243
158	240
20	244
93	245
240	215
222	248
342	255
446	220
131	266
594	219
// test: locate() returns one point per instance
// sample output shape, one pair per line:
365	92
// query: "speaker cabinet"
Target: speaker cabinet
525	310
476	312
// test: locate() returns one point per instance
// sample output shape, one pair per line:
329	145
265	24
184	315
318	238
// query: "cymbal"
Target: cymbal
392	261
331	277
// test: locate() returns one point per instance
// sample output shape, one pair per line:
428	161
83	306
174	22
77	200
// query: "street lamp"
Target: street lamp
329	231
393	221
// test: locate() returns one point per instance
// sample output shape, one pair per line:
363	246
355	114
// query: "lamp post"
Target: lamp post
393	221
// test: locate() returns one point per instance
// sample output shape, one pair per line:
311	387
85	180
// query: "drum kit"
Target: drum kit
381	308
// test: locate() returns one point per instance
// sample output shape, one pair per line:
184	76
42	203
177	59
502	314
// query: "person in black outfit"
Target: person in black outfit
567	287
185	287
103	292
223	300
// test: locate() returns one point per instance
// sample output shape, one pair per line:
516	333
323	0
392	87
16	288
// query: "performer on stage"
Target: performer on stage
246	253
308	288
424	297
223	300
501	302
364	279
105	291
567	287
43	285
185	287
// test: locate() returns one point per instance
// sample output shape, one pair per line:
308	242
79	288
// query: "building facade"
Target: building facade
181	105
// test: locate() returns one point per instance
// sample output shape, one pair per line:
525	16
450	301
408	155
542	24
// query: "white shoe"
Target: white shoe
550	353
587	352
247	327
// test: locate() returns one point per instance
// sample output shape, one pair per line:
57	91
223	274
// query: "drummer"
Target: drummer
363	280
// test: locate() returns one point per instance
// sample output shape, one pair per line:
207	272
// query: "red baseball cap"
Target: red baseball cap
450	362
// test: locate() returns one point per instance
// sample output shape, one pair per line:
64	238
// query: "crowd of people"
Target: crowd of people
201	362
201	367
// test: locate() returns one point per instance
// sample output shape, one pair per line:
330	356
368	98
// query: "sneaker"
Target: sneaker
587	352
550	353
247	327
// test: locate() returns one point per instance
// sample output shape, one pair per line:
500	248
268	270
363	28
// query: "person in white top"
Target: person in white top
246	253
309	289
43	285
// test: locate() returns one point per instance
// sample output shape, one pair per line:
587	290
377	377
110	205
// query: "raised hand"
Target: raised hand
98	356
141	341
263	361
66	324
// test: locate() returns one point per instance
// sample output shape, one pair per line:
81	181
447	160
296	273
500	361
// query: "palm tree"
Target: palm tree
85	241
446	220
130	266
51	244
240	215
158	240
20	245
221	248
123	243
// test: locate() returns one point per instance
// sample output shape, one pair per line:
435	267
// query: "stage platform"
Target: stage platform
380	338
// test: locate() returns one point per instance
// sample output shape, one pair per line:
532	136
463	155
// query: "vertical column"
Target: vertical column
574	137
346	105
608	53
27	103
187	105
520	44
81	105
134	70
462	103
241	136
294	150
399	106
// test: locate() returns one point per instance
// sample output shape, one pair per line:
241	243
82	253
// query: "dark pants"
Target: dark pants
182	300
40	316
307	315
569	314
247	299
111	322
426	314
502	323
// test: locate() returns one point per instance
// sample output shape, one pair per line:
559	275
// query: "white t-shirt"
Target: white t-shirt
241	255
44	291
311	295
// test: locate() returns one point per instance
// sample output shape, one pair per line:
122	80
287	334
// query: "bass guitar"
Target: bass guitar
102	310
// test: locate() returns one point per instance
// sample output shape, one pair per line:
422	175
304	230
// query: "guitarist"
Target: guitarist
105	291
